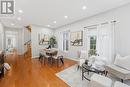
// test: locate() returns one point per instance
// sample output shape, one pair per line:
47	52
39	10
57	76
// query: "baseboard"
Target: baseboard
35	57
71	59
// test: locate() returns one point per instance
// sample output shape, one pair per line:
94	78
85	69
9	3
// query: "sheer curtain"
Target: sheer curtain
105	41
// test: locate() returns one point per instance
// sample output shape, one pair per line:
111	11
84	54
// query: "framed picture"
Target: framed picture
43	39
76	38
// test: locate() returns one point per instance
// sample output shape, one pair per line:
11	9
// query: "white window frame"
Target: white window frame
65	41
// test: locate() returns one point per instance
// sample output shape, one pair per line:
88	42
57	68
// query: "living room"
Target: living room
58	42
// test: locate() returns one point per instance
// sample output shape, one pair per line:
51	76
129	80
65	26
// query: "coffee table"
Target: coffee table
87	69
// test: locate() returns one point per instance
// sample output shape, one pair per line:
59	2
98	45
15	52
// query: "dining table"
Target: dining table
50	53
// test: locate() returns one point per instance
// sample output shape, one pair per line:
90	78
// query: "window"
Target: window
92	50
92	41
65	41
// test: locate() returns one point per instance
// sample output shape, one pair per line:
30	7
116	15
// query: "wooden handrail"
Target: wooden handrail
27	42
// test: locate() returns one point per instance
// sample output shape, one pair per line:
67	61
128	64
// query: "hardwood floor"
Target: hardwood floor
27	72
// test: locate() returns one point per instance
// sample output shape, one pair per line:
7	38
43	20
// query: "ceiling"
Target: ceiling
46	12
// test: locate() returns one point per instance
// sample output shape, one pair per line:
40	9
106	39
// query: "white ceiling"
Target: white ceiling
45	12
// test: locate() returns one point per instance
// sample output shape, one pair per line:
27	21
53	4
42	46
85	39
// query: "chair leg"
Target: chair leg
44	60
82	74
122	80
62	60
39	58
57	62
78	67
2	73
106	72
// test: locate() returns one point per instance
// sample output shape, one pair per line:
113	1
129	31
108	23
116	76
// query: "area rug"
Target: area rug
73	77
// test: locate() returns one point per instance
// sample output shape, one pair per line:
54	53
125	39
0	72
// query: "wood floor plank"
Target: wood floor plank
26	72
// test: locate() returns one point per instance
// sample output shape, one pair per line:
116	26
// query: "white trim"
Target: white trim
74	59
35	57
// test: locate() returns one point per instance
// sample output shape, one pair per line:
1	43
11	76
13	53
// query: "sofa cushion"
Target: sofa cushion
118	71
99	63
100	81
118	57
119	84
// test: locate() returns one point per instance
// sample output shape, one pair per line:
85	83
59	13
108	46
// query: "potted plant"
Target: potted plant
92	52
53	41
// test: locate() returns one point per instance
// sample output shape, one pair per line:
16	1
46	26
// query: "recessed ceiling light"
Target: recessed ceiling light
48	25
12	24
55	22
19	18
84	7
65	17
20	11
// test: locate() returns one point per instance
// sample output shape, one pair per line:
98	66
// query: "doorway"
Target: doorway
11	41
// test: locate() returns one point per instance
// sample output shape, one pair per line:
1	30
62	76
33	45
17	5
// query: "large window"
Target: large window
92	41
66	41
92	50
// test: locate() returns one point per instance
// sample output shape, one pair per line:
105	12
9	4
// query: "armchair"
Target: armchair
82	58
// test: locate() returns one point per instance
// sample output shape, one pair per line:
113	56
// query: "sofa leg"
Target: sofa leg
106	72
78	67
122	80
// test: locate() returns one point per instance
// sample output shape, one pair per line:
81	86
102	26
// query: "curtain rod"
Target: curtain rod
100	23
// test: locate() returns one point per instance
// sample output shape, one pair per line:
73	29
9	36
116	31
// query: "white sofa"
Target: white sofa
102	81
120	68
118	71
119	84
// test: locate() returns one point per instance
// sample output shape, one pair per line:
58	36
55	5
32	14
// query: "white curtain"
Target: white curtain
105	41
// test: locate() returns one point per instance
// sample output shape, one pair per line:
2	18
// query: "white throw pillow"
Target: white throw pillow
117	58
7	66
123	62
99	63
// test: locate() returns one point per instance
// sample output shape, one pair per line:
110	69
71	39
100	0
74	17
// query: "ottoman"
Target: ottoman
119	84
100	81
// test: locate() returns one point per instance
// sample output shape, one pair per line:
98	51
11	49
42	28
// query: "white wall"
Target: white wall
19	39
1	37
122	31
34	38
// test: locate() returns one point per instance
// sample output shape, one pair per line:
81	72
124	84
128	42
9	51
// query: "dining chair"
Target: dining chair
43	56
59	57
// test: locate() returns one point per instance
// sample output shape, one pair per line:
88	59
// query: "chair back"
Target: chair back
83	54
43	52
61	53
55	53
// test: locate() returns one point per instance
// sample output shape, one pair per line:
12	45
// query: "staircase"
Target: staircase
27	45
28	49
